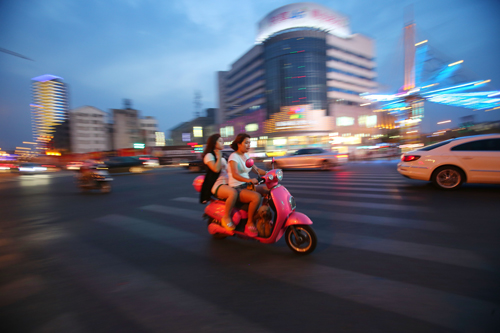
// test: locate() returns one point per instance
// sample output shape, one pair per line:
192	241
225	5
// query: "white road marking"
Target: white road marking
378	220
438	307
156	305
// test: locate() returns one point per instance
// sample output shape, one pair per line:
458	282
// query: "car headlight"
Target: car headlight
292	203
279	174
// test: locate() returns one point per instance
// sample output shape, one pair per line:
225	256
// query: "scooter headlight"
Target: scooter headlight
279	174
271	177
292	203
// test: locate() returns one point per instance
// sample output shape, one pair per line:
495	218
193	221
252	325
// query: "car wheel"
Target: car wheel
137	169
448	177
326	165
194	168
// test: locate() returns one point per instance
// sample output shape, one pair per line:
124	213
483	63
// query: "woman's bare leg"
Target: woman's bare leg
253	199
230	194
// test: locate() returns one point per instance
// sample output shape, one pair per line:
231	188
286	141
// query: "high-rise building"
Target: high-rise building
302	80
49	113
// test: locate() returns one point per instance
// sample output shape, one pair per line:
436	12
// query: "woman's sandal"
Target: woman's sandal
251	231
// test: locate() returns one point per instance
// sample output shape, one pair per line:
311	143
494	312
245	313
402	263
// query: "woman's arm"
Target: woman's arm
215	166
259	171
236	175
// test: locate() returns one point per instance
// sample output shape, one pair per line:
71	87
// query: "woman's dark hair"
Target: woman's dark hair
211	142
239	139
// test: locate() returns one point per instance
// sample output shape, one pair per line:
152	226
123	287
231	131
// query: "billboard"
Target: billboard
303	15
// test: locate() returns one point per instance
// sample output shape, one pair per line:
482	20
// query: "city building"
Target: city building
129	130
149	127
197	130
89	131
49	114
300	84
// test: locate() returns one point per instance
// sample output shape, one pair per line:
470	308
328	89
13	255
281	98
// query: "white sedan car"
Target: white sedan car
448	164
308	158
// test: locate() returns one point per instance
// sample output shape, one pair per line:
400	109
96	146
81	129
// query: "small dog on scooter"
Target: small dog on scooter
264	224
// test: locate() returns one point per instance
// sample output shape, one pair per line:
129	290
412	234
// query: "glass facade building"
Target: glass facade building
295	70
304	78
49	113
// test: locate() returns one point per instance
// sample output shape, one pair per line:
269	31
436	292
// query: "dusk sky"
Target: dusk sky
158	53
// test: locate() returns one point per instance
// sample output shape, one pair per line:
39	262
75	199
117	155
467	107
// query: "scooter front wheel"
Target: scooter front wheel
303	241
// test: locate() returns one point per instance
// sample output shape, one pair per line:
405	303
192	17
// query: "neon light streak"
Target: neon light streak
482	82
456	63
422	42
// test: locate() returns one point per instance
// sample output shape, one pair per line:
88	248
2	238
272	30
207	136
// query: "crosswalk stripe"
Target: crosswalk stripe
362	204
329	215
350	177
101	273
341	181
189	213
340	188
382	245
374	244
403	298
407	299
433	253
148	229
355	195
187	199
330	202
404	186
378	220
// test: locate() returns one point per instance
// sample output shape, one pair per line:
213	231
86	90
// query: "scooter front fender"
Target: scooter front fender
297	218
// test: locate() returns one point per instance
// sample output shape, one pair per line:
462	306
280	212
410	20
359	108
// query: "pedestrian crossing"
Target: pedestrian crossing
359	213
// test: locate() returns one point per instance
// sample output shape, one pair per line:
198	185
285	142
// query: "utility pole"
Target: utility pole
197	103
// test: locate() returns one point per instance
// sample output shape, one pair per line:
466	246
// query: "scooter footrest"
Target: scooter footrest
214	228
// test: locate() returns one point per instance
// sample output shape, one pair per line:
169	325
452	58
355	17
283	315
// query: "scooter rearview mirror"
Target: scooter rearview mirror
249	163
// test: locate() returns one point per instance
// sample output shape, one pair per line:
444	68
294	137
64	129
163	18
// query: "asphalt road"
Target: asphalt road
394	255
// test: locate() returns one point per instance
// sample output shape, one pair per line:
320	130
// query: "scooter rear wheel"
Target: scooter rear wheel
306	243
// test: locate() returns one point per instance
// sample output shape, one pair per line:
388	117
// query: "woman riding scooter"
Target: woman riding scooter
238	174
216	179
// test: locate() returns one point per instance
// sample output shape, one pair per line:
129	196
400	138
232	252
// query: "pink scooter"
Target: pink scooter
296	227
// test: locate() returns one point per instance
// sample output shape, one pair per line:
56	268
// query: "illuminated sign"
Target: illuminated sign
303	15
296	112
345	121
160	138
186	137
139	145
198	131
